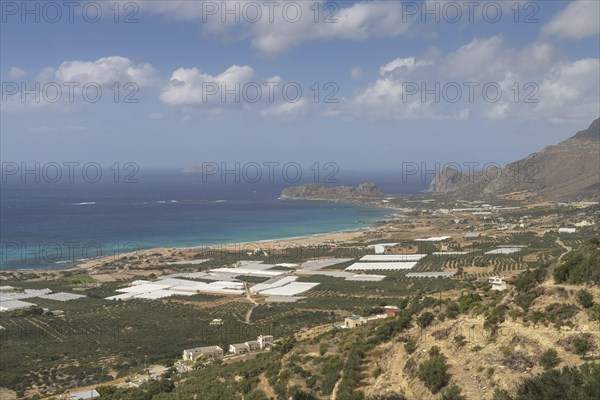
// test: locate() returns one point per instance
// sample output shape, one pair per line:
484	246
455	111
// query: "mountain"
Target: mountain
568	170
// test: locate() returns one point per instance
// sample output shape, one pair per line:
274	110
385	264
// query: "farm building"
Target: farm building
567	230
392	257
62	296
505	250
434	239
239	348
208	352
7	305
380	247
381	266
432	274
84	395
253	344
265	341
497	283
354	320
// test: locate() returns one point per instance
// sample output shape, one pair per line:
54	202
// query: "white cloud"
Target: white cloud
62	87
359	21
107	71
16	73
577	20
564	90
192	87
570	91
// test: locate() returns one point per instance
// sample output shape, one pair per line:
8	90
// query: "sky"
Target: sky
362	84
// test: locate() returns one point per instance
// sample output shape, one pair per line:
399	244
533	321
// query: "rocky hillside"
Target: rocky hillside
568	170
324	192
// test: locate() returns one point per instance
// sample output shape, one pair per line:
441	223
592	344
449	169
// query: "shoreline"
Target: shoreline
334	236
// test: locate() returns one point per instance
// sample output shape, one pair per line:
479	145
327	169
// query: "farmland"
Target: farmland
89	340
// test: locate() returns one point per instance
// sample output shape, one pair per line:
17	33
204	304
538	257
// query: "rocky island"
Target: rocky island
364	191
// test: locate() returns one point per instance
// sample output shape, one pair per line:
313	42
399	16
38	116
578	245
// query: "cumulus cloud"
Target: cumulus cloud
62	87
289	24
577	20
106	71
534	81
192	87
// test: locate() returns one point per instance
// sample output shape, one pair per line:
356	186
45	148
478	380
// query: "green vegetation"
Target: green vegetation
549	359
570	383
434	371
453	393
78	280
425	319
581	266
410	346
585	298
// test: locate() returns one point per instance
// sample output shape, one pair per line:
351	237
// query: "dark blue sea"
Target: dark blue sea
45	224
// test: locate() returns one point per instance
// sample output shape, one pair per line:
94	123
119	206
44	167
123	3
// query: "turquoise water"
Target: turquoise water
48	225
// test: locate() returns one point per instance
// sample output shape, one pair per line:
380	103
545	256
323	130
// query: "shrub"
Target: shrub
434	371
460	340
549	359
425	320
410	346
453	393
581	346
585	298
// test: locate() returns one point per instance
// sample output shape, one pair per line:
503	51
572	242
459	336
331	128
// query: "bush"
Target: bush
585	298
549	359
425	320
567	384
460	340
434	372
580	266
410	346
581	346
453	393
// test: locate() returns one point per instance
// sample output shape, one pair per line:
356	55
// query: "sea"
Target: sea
55	224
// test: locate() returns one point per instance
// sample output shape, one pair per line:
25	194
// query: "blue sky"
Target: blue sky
373	55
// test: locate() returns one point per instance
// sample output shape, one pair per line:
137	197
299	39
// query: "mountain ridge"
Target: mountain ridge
569	169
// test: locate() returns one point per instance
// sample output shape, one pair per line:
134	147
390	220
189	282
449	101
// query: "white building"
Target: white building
210	352
497	283
265	341
567	230
353	321
83	395
380	247
239	348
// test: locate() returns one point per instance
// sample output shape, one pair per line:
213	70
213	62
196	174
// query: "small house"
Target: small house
209	352
265	341
84	395
239	348
497	283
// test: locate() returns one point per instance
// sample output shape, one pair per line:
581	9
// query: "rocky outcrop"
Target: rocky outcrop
324	192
